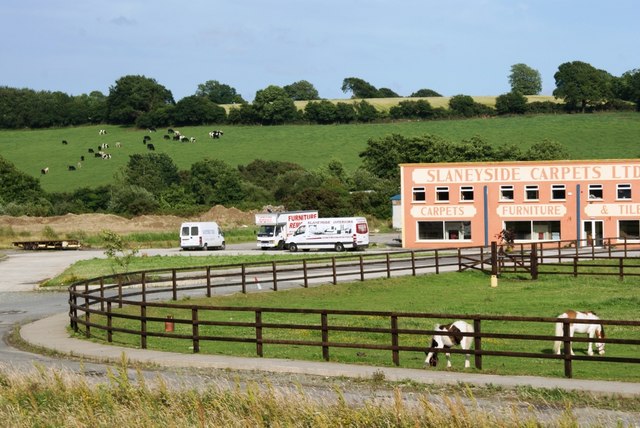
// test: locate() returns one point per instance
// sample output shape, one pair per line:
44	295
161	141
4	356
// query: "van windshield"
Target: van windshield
266	230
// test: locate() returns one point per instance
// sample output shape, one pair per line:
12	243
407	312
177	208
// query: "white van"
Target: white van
337	233
201	236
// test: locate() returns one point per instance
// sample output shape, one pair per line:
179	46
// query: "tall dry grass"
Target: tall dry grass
55	398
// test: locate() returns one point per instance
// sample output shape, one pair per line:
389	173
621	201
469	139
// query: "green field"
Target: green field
585	136
461	293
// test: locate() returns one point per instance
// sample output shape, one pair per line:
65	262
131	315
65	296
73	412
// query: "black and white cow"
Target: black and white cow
216	134
102	132
151	146
44	170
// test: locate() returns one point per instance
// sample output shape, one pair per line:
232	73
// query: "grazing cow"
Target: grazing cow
184	139
44	170
176	137
151	129
98	154
167	137
118	144
71	168
91	151
150	146
170	131
146	138
79	165
102	132
106	156
103	146
82	158
65	142
216	134
192	139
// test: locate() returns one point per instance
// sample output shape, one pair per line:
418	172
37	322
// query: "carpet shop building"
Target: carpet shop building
469	204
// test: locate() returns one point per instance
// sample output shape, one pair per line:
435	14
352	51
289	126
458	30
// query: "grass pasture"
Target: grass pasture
585	136
462	293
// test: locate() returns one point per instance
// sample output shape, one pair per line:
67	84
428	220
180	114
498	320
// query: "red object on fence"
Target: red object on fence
255	278
168	324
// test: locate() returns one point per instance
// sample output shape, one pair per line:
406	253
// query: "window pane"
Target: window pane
531	192
442	193
624	191
466	193
522	229
419	194
558	191
430	230
595	191
629	229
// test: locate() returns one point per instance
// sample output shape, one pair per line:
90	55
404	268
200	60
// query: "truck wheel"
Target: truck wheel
293	248
280	245
339	247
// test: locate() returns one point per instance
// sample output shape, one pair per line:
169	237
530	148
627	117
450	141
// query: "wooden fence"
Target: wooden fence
95	303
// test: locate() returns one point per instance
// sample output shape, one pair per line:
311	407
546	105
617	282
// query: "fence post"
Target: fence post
621	268
195	329
259	332
437	263
534	261
333	266
494	259
208	281
566	339
325	335
304	273
174	286
388	266
394	340
143	283
275	276
143	326
625	246
109	323
575	267
459	260
413	263
477	344
361	268
101	297
244	279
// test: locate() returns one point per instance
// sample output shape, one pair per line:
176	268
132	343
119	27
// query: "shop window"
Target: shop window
595	191
558	192
623	191
419	194
444	230
629	229
466	193
442	194
531	193
506	193
534	230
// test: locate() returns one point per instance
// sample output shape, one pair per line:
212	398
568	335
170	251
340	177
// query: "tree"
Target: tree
345	112
511	103
581	85
132	200
195	110
215	182
386	93
264	173
154	172
465	106
425	93
365	112
17	186
525	80
301	91
322	112
274	106
134	95
219	93
359	88
546	150
628	87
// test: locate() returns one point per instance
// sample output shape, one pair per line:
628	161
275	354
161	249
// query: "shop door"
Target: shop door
592	232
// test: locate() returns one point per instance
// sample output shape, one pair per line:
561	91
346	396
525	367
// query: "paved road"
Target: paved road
20	301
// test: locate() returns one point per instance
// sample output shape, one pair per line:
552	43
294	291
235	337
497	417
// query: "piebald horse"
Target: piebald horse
449	338
594	330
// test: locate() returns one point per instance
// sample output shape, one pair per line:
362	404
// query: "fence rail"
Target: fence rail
96	303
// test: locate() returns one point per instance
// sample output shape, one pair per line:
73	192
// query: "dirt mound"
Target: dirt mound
94	223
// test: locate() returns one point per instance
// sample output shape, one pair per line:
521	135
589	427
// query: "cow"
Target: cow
150	146
151	129
64	142
192	139
71	168
103	146
98	154
216	134
82	158
167	137
106	156
44	170
146	138
102	132
91	151
118	144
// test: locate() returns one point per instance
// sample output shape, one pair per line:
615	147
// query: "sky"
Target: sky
450	46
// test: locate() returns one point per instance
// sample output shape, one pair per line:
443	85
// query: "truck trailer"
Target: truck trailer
275	228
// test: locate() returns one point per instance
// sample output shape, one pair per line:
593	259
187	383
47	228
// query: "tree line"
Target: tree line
143	102
152	184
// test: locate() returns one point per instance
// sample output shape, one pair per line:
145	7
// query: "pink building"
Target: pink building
468	204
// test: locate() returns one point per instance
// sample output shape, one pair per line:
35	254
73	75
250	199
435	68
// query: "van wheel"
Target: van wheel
205	247
293	248
223	246
339	247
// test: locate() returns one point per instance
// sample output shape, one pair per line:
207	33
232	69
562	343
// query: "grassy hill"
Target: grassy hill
586	136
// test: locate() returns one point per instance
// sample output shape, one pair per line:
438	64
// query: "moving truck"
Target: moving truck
338	233
275	228
201	236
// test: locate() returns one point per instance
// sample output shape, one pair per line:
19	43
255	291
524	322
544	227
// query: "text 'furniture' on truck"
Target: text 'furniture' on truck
201	236
275	228
337	233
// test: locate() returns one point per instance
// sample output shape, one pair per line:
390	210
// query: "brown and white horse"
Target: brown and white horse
594	330
449	338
